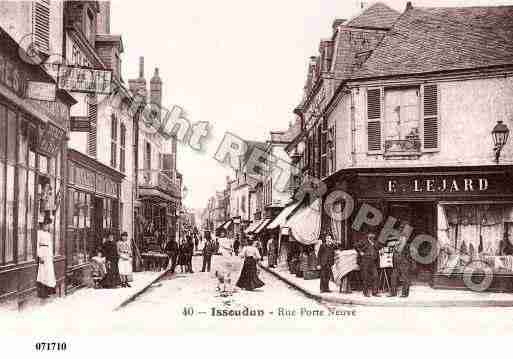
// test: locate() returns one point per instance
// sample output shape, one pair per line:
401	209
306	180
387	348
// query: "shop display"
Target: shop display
473	233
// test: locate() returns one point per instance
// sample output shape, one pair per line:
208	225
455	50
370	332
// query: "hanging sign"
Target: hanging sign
42	91
84	79
49	139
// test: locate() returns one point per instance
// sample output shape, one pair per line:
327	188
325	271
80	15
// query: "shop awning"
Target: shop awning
281	219
263	224
227	224
251	228
305	224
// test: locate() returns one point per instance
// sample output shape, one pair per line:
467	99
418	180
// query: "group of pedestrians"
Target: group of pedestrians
113	262
181	254
368	254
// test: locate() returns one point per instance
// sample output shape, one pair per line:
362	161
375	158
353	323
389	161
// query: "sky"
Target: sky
239	65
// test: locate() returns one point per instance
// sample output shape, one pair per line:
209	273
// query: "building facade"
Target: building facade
395	134
33	148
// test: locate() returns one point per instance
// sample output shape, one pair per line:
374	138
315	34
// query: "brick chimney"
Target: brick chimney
156	88
138	85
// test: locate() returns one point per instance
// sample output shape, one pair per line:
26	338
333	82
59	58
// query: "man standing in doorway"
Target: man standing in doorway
368	260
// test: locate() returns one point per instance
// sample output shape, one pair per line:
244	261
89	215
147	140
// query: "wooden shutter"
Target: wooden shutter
430	117
374	119
92	113
41	25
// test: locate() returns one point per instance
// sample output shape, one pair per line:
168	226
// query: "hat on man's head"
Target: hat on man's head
47	220
124	234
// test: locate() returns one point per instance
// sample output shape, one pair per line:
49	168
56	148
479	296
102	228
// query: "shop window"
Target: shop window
31	205
22	214
475	233
9	215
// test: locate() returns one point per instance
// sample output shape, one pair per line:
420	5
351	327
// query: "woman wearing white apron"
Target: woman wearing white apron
125	259
45	271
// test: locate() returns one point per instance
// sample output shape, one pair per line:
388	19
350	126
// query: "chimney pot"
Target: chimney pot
141	67
409	5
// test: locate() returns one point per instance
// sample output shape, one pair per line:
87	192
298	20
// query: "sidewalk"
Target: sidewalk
420	296
104	300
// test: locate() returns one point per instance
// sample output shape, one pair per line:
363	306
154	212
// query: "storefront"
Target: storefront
467	211
93	212
32	152
160	205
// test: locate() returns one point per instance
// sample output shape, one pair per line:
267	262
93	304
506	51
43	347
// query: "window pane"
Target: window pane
43	165
22	214
32	159
23	144
76	201
11	135
51	166
81	211
9	215
89	212
58	170
31	205
71	206
3	131
2	203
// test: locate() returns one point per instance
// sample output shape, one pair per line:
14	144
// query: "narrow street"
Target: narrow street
160	311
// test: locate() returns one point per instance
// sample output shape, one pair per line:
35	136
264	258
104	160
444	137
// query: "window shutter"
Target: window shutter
41	25
430	117
92	113
374	119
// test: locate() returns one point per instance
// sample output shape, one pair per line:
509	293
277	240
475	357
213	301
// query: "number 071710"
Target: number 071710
50	346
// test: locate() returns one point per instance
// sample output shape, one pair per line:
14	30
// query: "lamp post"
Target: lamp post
500	134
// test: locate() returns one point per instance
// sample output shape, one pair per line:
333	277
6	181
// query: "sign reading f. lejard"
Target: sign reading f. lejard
84	79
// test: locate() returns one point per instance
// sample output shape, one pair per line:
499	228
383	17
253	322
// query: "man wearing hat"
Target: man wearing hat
45	270
368	260
326	258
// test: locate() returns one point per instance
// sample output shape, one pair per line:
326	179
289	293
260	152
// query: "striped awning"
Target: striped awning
251	228
263	224
281	219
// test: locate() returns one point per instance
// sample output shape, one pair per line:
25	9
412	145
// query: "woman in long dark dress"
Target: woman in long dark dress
110	251
182	256
248	277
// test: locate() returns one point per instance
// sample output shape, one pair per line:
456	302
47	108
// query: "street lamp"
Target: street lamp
500	134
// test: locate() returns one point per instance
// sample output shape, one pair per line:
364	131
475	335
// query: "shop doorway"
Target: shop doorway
422	217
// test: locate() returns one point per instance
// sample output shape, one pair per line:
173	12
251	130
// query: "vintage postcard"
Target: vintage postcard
246	167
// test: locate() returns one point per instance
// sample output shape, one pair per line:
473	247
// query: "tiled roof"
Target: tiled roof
427	40
378	16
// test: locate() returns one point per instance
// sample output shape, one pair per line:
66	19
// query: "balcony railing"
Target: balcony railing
402	147
159	180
